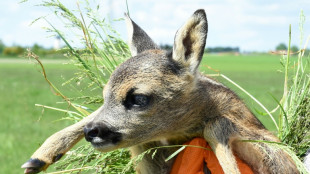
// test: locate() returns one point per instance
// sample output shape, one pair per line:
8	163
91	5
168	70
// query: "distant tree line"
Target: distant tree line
283	47
209	49
11	51
17	50
222	50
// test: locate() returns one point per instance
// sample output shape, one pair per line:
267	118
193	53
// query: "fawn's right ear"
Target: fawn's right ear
139	41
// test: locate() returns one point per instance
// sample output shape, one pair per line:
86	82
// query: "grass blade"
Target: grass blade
175	153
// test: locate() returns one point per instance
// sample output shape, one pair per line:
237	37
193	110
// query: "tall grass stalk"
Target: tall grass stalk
295	103
294	118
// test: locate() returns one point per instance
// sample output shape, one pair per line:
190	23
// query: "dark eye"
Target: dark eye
136	100
140	100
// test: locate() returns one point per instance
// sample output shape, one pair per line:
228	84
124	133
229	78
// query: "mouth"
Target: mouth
98	142
104	145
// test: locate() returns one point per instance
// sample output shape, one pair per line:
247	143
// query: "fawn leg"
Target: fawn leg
57	145
219	133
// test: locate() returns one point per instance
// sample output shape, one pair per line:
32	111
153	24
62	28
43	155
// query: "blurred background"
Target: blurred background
246	41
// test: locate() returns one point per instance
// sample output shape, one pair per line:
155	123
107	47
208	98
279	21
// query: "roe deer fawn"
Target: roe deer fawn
159	98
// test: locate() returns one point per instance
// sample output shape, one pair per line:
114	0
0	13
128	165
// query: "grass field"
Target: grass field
23	127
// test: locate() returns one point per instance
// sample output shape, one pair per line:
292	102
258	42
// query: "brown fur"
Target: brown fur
181	104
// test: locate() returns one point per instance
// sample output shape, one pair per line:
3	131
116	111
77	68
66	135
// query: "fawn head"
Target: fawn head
147	97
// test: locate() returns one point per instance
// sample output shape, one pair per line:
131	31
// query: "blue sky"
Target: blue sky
256	25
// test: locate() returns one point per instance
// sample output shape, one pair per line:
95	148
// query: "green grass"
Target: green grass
22	86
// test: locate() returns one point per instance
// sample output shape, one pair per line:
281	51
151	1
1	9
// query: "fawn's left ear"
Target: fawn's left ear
139	41
190	40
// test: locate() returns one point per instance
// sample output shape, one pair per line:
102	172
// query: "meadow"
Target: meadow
23	126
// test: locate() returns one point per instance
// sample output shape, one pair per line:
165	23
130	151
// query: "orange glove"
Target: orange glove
192	160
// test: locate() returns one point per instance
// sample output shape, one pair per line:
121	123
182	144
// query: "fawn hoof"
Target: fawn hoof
34	166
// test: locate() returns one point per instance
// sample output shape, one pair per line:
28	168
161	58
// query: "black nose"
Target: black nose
91	133
102	132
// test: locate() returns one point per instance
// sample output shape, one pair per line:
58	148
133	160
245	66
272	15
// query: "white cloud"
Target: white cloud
8	38
141	16
13	6
3	22
272	7
263	20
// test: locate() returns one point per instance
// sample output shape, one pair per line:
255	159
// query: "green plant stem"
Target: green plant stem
284	100
127	8
53	87
88	39
57	109
285	93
